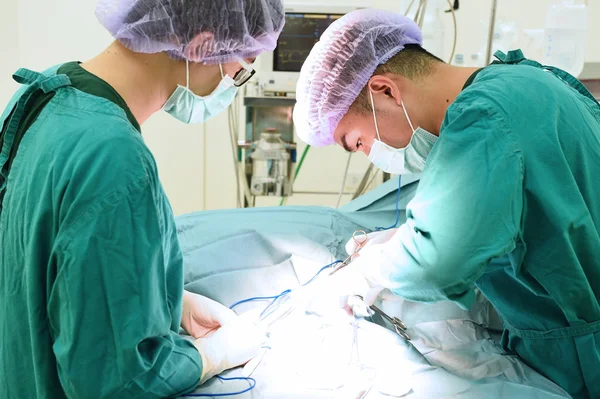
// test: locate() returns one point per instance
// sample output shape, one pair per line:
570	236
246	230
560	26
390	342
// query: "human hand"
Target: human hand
330	293
201	316
376	237
232	345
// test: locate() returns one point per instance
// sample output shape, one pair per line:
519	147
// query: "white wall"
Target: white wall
195	161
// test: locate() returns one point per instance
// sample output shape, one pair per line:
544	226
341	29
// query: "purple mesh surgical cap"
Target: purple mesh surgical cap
207	31
340	66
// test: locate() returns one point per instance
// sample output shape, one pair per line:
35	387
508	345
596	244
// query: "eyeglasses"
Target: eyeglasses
244	74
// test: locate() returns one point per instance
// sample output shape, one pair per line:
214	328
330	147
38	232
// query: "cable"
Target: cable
409	7
423	12
297	170
232	130
455	32
344	181
256	298
274	298
370	182
363	182
321	271
238	168
251	380
397	209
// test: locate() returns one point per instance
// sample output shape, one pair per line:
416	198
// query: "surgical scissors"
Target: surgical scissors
360	238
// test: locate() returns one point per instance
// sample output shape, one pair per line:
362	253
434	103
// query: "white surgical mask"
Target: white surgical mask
400	161
188	107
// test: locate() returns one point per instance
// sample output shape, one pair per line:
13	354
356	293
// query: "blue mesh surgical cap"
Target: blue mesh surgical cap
207	31
340	66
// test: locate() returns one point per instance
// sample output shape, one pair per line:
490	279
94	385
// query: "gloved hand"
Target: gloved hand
201	316
376	237
230	346
357	279
328	293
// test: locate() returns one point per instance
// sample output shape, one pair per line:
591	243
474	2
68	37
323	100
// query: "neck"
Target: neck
440	89
145	81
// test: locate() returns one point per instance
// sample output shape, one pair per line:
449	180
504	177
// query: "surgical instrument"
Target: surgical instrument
398	324
360	239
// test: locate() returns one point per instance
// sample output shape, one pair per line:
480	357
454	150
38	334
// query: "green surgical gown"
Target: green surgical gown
91	275
510	202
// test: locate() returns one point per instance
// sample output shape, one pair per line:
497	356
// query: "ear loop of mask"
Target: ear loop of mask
407	118
375	116
187	74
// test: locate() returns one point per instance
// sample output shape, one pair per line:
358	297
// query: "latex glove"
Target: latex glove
201	316
328	293
357	279
376	237
230	346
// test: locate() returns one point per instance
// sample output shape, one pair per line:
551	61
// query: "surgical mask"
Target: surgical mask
188	107
400	161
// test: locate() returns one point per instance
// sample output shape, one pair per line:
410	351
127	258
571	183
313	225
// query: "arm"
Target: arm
113	314
467	211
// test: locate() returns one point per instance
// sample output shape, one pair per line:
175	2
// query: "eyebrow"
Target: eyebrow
345	144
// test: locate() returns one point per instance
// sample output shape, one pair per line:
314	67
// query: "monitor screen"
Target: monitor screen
299	35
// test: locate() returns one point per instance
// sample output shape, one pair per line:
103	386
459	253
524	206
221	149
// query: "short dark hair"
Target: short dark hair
412	62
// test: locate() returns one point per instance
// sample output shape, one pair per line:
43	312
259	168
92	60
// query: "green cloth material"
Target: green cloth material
509	201
91	268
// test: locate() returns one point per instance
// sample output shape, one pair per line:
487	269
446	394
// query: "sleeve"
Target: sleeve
466	212
113	318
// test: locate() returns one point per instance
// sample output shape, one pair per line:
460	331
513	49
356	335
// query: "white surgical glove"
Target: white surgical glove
201	315
230	346
328	293
376	237
358	278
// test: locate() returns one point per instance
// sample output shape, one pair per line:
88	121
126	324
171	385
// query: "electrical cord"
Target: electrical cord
251	380
370	182
397	209
455	31
298	167
337	205
232	130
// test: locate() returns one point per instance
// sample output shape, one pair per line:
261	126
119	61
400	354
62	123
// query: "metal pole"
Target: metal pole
488	56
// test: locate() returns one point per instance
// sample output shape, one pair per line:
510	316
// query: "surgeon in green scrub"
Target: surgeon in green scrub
509	199
91	272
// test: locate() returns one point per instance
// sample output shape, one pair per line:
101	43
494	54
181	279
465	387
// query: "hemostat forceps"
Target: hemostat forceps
360	239
398	324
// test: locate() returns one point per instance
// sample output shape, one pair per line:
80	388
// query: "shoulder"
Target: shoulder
89	150
92	135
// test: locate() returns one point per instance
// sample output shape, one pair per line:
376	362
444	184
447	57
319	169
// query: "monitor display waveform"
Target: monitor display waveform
299	35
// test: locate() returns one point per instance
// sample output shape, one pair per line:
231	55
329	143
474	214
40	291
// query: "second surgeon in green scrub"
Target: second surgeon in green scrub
91	272
509	199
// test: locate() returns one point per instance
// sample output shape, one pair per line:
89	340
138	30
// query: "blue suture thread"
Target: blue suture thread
256	298
321	271
251	380
397	209
284	293
274	298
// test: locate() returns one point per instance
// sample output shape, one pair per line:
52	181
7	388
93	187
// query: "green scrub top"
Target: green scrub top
509	202
91	272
